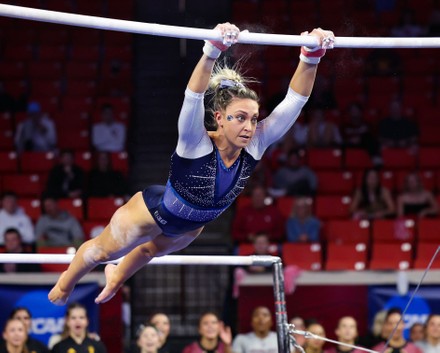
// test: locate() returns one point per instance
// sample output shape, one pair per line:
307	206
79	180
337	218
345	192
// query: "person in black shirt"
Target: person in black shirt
77	339
24	315
14	245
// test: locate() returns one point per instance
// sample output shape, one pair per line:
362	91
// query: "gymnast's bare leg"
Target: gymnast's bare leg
130	226
162	245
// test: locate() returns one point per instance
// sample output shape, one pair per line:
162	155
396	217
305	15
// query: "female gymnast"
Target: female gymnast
207	172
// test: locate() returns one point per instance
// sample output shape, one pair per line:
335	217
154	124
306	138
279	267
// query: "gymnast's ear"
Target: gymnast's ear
218	117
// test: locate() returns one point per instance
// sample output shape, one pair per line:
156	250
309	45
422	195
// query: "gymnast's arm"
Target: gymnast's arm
193	139
285	114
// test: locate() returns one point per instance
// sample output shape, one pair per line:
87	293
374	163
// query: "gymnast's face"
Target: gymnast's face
239	121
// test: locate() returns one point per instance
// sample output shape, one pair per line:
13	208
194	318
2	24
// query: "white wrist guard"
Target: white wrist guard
211	50
312	55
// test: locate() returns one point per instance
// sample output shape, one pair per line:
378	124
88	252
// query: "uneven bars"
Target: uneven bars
103	23
253	260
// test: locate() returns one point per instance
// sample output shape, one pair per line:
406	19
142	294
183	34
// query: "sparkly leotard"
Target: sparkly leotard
200	187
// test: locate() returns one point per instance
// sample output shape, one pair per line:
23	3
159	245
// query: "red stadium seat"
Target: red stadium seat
424	255
46	87
349	231
8	162
6	121
47	267
429	135
102	209
77	103
246	249
84	88
399	158
84	160
81	52
118	52
393	231
119	162
13	69
387	256
429	158
78	140
93	228
31	206
7	140
24	185
81	70
241	202
74	206
335	182
285	205
357	159
306	256
51	52
36	162
46	70
428	230
324	158
18	52
346	257
327	207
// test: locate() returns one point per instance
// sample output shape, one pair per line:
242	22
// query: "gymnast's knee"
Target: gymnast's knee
95	255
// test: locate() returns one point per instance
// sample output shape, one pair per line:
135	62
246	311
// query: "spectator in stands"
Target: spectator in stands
148	340
300	325
37	132
357	133
261	339
397	131
302	226
314	345
77	339
214	336
260	216
108	135
417	333
162	322
377	333
346	332
103	180
262	246
322	133
13	216
57	227
15	336
431	342
415	200
295	178
24	315
14	245
372	200
397	342
66	179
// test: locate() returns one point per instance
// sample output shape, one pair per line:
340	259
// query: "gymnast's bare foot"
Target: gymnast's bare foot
110	288
58	296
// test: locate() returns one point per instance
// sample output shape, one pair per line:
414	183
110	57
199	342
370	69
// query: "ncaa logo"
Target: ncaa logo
47	319
418	311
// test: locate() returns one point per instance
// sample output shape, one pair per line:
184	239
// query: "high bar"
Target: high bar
224	260
103	23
